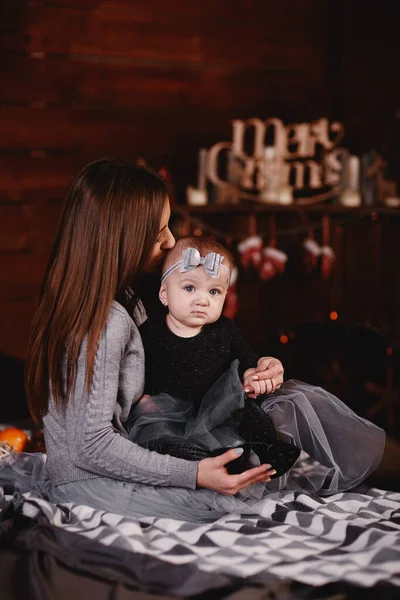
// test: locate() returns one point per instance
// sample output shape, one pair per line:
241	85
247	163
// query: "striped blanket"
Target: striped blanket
351	537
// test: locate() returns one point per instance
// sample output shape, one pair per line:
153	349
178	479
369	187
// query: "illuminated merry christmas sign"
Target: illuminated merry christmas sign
301	155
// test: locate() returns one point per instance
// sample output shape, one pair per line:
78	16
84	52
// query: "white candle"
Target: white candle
392	201
196	197
354	173
350	198
285	195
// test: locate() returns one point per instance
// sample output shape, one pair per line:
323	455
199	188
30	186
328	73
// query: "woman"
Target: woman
85	364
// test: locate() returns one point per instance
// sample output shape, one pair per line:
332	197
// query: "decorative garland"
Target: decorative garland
193	223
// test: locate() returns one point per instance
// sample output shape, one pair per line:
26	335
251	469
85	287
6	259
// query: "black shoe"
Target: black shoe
258	432
255	424
280	455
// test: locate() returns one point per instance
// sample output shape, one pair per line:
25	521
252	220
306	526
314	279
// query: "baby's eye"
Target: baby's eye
189	288
214	292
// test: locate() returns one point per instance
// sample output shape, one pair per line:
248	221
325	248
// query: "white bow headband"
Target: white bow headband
191	259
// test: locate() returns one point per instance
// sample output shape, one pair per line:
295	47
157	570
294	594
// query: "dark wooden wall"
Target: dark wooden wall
80	79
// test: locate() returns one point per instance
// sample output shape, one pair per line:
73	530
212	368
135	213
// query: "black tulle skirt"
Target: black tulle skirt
224	419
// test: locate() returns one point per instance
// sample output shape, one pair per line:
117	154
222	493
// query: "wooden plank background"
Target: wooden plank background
159	79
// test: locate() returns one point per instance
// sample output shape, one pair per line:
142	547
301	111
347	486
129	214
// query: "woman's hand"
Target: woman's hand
265	378
213	475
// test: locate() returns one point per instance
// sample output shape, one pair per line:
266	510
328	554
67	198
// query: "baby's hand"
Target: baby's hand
145	398
146	404
252	387
255	386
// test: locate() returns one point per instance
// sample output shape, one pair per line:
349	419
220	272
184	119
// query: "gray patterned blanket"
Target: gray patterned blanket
349	537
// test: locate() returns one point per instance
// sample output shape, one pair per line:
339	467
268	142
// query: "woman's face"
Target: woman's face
164	241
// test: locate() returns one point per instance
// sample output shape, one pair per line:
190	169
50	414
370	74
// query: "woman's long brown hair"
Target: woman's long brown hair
108	228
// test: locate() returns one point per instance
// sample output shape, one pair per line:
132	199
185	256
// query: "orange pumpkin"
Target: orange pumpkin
15	437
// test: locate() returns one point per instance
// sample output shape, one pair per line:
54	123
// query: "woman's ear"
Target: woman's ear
163	296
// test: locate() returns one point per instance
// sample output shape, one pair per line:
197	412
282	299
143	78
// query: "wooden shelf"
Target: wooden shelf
279	208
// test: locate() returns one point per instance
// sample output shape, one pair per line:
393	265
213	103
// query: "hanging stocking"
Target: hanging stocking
250	248
231	306
250	251
273	263
327	261
327	253
312	252
273	260
267	269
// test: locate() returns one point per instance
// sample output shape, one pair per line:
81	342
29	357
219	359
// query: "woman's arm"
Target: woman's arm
94	444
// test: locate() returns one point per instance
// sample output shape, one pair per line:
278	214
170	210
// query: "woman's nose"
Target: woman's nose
169	241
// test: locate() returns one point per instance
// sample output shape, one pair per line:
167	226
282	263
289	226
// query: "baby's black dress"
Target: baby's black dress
199	418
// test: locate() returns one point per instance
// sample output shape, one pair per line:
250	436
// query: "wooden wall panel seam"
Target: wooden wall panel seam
231	67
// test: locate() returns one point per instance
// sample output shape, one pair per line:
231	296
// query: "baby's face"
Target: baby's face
195	298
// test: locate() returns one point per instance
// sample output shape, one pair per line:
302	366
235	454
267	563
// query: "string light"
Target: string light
333	315
284	339
389	351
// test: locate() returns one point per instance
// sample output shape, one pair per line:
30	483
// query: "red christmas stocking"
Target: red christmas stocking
231	305
312	252
328	259
273	263
250	252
